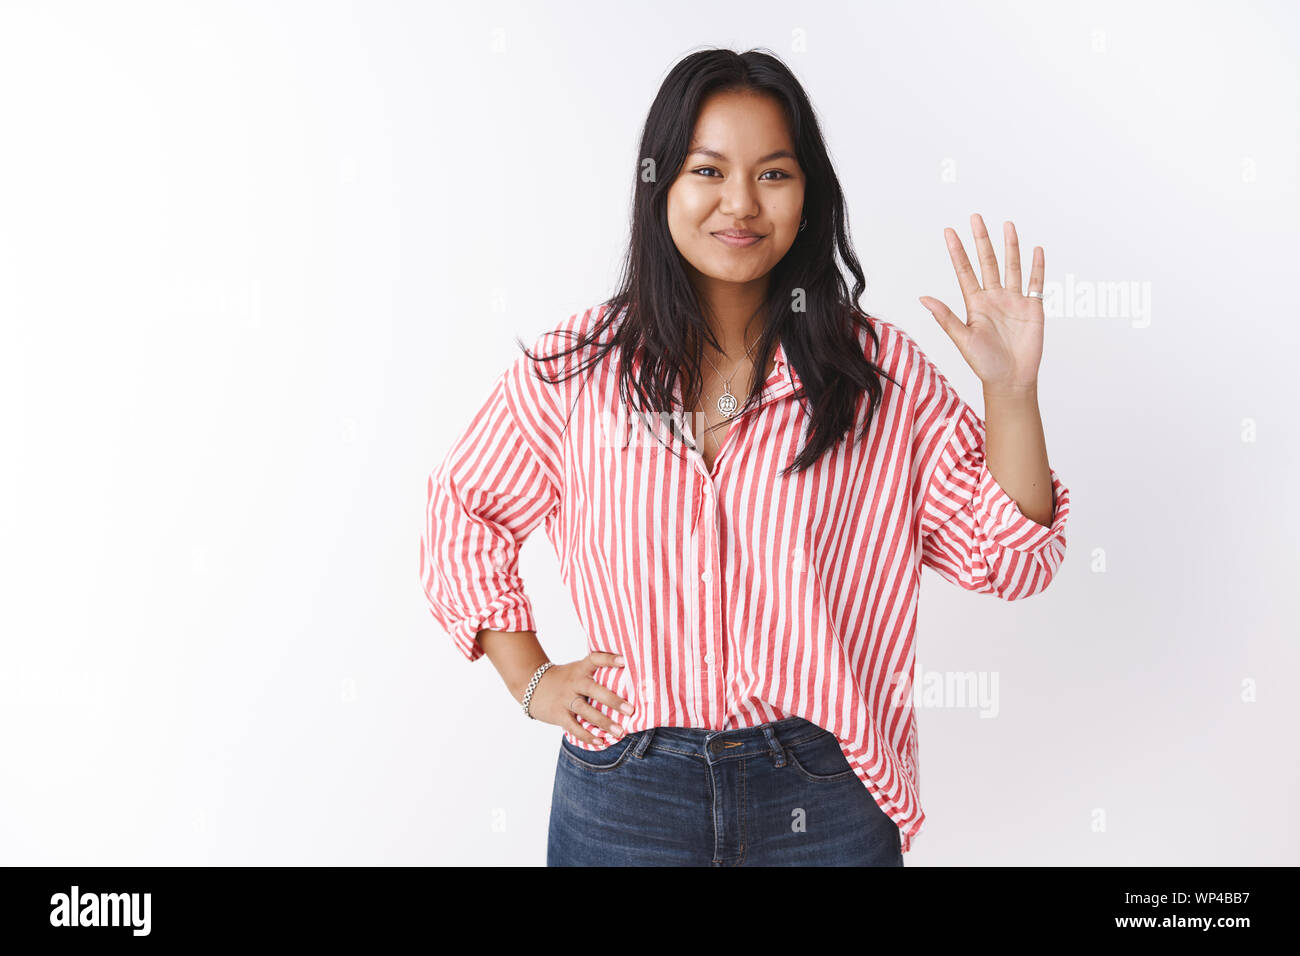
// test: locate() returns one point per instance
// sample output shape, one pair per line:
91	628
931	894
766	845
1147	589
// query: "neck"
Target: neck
734	314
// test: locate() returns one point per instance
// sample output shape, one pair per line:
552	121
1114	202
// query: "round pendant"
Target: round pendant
727	403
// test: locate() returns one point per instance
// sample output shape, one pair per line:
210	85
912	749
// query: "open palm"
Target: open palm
1002	337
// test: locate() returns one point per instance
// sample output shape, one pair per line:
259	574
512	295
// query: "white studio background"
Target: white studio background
259	262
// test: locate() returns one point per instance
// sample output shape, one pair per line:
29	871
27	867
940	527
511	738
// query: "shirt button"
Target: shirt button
706	577
708	658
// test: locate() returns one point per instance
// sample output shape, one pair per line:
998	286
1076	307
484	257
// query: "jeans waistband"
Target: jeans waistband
718	745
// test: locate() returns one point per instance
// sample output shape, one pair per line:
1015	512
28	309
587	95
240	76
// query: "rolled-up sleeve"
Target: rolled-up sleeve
494	487
972	532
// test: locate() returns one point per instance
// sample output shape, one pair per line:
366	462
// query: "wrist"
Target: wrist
1013	393
525	696
518	681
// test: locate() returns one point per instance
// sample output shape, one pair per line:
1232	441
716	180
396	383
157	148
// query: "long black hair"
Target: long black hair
808	307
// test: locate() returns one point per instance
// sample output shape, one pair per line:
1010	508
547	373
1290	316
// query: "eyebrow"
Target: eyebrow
779	154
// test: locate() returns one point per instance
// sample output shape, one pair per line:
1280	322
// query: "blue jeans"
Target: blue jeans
779	794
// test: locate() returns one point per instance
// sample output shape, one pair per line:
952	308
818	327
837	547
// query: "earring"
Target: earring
802	224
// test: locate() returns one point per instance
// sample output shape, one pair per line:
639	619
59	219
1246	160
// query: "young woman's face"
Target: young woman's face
741	175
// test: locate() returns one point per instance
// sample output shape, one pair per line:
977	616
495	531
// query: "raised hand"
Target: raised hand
1002	337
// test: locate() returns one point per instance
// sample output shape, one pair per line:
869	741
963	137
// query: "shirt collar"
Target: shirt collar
783	366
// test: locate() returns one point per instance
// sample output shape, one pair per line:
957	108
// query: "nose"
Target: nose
739	200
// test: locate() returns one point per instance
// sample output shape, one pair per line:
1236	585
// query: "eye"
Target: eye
782	174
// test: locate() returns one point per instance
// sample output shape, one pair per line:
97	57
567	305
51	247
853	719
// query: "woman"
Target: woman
742	475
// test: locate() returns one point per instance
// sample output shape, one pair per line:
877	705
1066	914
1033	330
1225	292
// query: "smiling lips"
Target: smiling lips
738	238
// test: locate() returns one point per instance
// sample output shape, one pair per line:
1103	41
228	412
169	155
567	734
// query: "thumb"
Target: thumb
950	323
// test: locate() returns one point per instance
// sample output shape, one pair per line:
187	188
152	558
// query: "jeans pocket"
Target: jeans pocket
820	759
598	761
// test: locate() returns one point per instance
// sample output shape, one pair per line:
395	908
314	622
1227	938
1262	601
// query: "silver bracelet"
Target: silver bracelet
528	694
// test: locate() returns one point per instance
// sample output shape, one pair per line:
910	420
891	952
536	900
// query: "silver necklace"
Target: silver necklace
727	403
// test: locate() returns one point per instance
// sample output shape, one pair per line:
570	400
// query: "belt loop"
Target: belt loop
639	749
778	754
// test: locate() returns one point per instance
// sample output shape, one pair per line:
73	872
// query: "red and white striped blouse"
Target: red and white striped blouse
735	595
